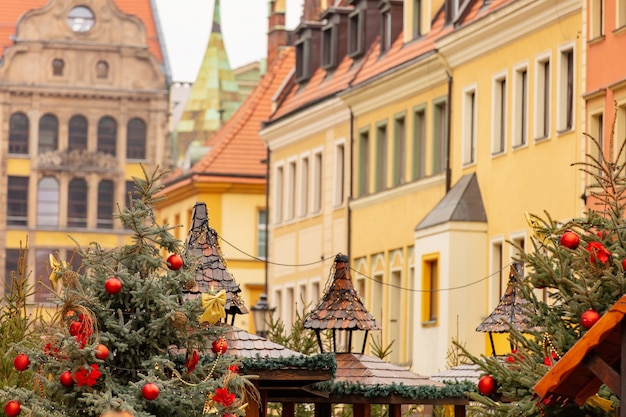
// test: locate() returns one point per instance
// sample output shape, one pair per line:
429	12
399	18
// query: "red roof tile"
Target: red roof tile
11	10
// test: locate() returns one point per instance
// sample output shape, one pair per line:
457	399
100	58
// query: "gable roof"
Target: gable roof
463	203
571	378
145	10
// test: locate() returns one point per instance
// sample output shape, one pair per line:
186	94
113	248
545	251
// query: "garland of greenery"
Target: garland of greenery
321	361
420	392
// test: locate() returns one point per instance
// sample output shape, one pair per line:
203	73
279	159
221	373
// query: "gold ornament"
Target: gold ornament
213	305
536	224
179	320
58	267
603	403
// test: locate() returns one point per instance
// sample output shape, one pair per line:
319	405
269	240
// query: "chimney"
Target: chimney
276	30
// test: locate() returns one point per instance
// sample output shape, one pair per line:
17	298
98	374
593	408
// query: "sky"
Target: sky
186	25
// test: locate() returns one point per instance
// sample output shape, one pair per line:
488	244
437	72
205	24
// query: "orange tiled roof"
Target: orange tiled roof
11	10
236	147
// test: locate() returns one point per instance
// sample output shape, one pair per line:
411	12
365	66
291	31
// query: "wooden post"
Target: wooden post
361	410
459	411
263	410
289	410
395	410
323	410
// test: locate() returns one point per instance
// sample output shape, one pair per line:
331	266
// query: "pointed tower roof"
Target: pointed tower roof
340	308
214	96
211	272
511	311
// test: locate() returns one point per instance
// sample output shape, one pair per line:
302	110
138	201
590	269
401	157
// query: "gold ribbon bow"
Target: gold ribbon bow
213	305
58	268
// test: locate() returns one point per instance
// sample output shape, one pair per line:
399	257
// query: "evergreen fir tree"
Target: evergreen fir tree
126	340
580	263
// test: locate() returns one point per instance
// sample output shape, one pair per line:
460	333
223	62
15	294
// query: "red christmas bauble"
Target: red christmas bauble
174	262
589	318
150	391
570	240
624	264
75	327
102	352
487	385
113	285
12	408
219	346
21	362
66	379
547	361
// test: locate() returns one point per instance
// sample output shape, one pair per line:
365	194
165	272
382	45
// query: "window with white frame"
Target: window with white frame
597	132
497	266
417	19
469	125
620	14
302	294
399	150
317	181
315	292
440	135
519	247
565	103
418	159
381	157
520	106
364	162
291	190
340	174
290	307
261	245
278	302
498	133
543	85
279	197
596	24
620	129
304	186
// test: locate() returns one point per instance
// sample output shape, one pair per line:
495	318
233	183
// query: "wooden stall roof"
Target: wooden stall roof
211	272
370	370
247	345
467	372
340	308
572	378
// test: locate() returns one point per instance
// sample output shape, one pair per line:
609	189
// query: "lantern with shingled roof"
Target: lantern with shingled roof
511	311
341	308
211	273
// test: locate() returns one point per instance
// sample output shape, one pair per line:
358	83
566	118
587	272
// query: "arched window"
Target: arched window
48	133
136	139
77	203
102	70
18	133
107	135
48	202
77	133
105	204
57	67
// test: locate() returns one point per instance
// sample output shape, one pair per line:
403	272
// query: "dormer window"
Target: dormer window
355	34
454	9
303	60
329	47
385	32
391	16
417	19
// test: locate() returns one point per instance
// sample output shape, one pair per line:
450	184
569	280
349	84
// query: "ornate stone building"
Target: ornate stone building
83	105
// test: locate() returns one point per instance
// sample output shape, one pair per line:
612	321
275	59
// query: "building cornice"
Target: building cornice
396	84
452	227
303	124
511	22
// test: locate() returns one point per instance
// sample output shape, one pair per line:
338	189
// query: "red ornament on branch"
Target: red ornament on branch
113	286
597	252
66	379
12	408
223	397
589	318
102	352
87	377
570	240
150	391
21	362
487	385
219	346
174	262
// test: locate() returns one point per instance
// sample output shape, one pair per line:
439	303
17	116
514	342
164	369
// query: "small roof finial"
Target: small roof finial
217	18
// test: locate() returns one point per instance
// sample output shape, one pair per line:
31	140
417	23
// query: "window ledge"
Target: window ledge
565	131
430	323
595	40
542	139
498	154
468	164
520	146
620	30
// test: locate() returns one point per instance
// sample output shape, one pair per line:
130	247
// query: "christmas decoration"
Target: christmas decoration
192	361
12	408
66	379
179	320
234	369
598	252
174	262
213	305
219	346
113	286
589	318
150	391
75	328
624	264
223	397
102	352
570	240
86	376
21	362
487	385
